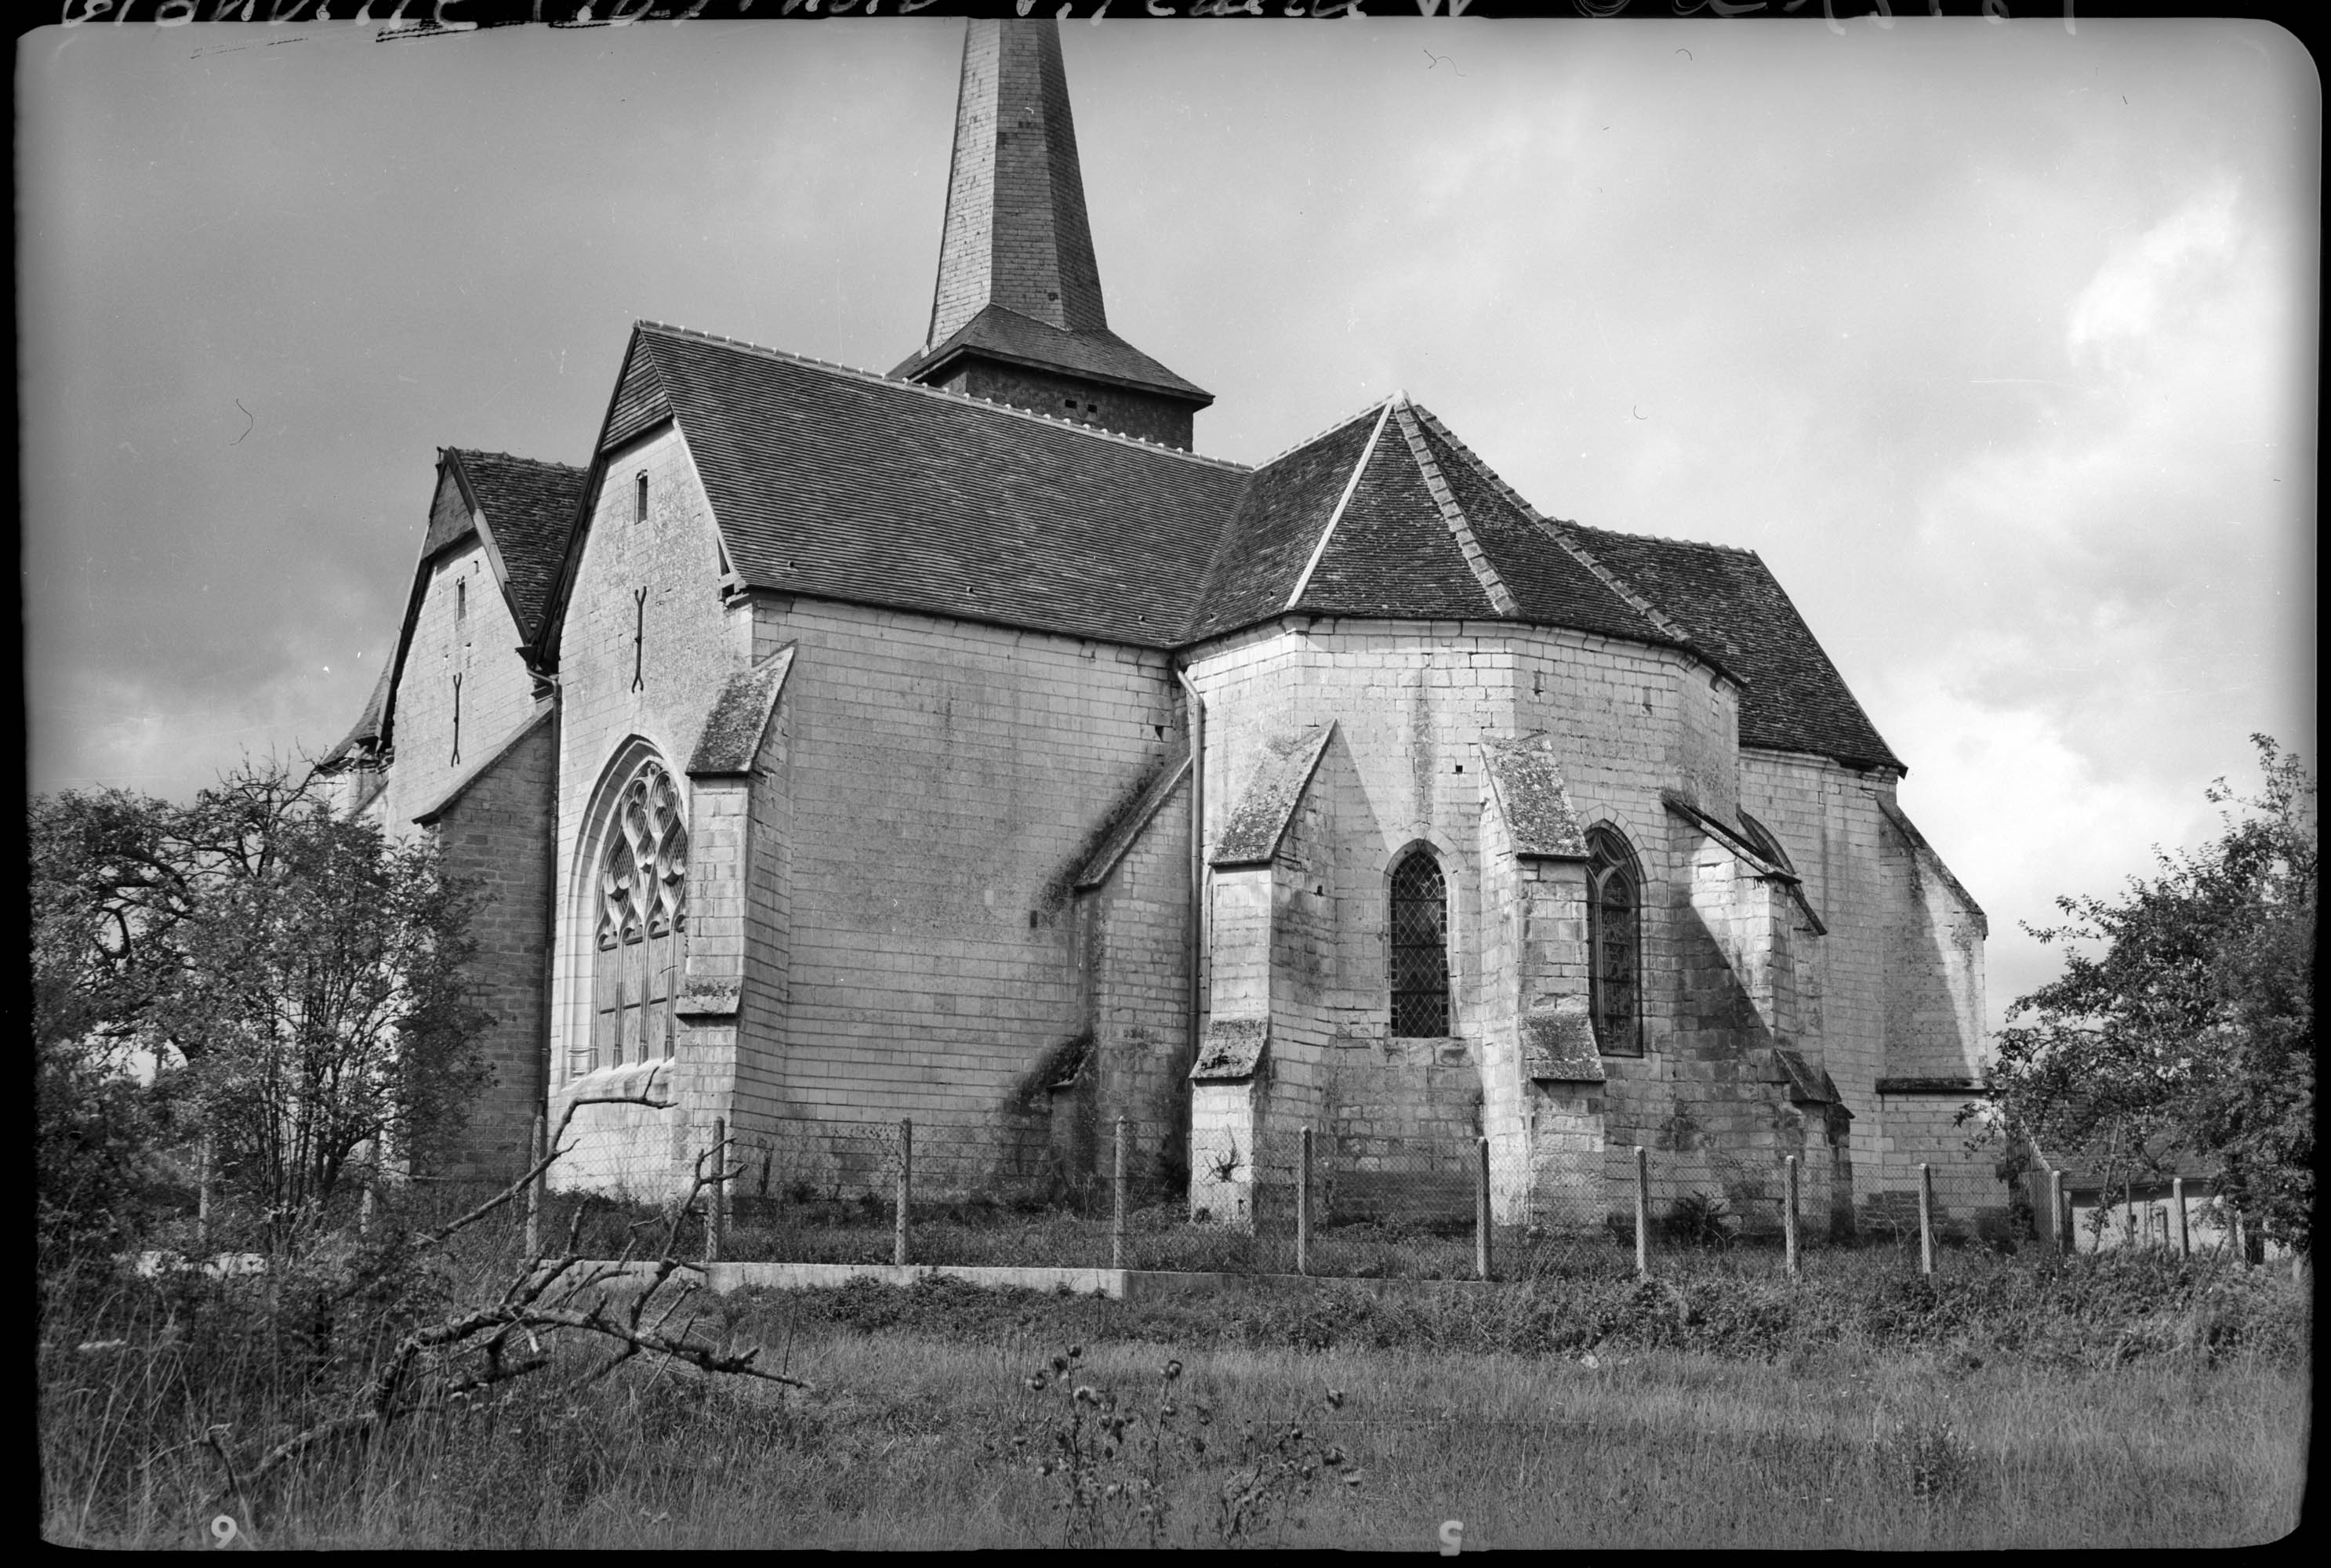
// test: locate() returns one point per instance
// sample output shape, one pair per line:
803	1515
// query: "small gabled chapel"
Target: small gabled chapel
962	744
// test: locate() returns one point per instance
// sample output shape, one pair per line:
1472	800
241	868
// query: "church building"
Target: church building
961	743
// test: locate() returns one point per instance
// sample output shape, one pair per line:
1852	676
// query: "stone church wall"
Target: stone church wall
1893	990
479	642
1627	723
497	834
677	641
1137	967
947	780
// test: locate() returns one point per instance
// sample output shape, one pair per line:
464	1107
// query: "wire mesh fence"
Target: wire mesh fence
645	1183
1289	1201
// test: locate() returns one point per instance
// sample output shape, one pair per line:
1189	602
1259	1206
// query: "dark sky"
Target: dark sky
1997	343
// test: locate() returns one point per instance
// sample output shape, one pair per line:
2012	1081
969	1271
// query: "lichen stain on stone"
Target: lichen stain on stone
1260	818
732	732
1233	1048
1538	814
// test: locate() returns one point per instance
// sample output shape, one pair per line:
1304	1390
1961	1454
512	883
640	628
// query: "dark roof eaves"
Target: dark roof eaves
1855	764
944	357
1648	639
869	602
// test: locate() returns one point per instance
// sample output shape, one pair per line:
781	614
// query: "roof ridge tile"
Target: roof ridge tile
1641	604
1668	539
1452	512
1323	432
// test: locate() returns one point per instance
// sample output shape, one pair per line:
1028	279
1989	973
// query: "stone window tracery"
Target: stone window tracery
1614	943
1420	947
641	914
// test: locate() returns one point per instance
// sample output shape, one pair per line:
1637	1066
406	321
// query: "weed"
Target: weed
1118	1468
1703	1220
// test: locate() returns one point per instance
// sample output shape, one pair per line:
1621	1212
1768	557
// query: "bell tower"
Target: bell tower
1017	314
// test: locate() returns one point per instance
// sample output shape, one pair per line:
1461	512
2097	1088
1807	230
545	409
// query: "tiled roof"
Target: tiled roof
857	486
839	482
1096	352
530	507
1391	552
1392	546
1549	582
366	730
1793	700
1280	511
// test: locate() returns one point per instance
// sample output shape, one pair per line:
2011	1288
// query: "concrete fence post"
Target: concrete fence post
1303	1203
906	1187
1642	1210
1482	1258
716	1200
203	1196
533	1187
2184	1237
1789	1217
1925	1218
2060	1229
1116	1202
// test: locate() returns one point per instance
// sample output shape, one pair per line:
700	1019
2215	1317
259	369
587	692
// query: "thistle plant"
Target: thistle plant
1118	1466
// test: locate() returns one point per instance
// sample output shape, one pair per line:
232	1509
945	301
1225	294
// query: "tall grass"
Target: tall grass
2100	1402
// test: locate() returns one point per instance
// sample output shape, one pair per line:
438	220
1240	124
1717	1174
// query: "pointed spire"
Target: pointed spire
1017	315
1016	232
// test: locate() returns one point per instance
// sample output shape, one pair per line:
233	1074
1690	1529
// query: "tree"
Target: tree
297	977
2192	1033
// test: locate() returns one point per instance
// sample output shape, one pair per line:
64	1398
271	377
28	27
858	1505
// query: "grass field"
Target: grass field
2121	1403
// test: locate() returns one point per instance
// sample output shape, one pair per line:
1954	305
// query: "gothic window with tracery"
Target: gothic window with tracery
1420	947
1614	943
641	902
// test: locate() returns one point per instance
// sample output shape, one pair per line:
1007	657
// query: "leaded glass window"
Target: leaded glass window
641	915
1420	947
1614	943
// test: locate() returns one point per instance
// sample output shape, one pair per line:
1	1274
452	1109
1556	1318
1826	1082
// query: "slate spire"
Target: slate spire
1016	316
1016	233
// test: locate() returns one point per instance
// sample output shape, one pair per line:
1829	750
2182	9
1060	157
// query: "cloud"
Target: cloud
2152	275
2024	817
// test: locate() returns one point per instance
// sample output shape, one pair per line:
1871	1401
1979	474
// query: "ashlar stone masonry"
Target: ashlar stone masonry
959	743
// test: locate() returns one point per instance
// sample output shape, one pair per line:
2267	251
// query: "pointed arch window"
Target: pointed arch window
1420	946
642	899
1614	943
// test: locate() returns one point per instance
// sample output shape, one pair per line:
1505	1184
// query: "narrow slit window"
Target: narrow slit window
639	498
457	720
1420	947
1614	943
